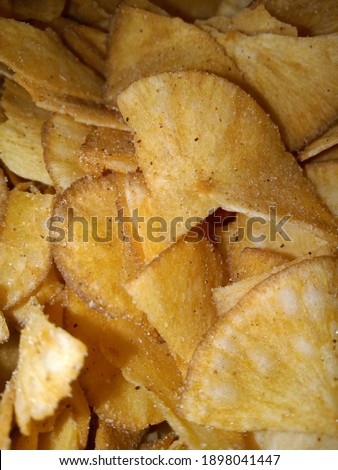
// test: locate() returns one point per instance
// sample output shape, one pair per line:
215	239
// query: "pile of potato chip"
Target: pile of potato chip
168	224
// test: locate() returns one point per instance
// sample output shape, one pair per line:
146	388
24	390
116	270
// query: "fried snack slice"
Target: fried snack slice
294	441
3	197
62	73
87	43
71	428
6	414
109	438
89	12
258	381
165	292
9	353
311	17
256	261
325	142
247	21
4	332
324	176
283	63
108	149
192	153
62	138
20	135
178	46
91	252
49	360
25	254
327	155
41	10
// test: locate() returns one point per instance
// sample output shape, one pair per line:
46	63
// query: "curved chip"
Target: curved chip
324	177
325	142
20	135
256	365
205	143
62	138
90	250
49	360
178	46
275	69
25	254
6	414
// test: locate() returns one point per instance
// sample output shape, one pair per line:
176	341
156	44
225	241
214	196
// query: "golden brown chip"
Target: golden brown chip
9	353
325	142
87	43
109	438
42	10
3	197
89	12
175	291
178	46
276	346
311	17
256	261
275	69
90	249
6	414
247	21
25	255
108	149
62	138
203	142
20	135
71	428
294	441
324	177
49	360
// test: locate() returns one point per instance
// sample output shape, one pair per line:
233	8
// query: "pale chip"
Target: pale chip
324	177
294	441
6	414
49	360
325	142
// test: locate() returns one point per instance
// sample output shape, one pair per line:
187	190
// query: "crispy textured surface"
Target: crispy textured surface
49	360
325	142
324	176
25	254
165	292
275	69
178	46
20	135
258	381
205	143
108	149
62	138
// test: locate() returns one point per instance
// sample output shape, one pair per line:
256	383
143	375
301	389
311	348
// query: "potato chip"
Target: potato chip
165	292
3	197
62	138
87	43
324	176
249	22
312	17
294	441
41	10
20	314
325	142
193	153
20	135
109	438
255	261
258	381
231	7
283	63
71	428
89	12
108	149
49	360
327	155
6	415
25	254
178	45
